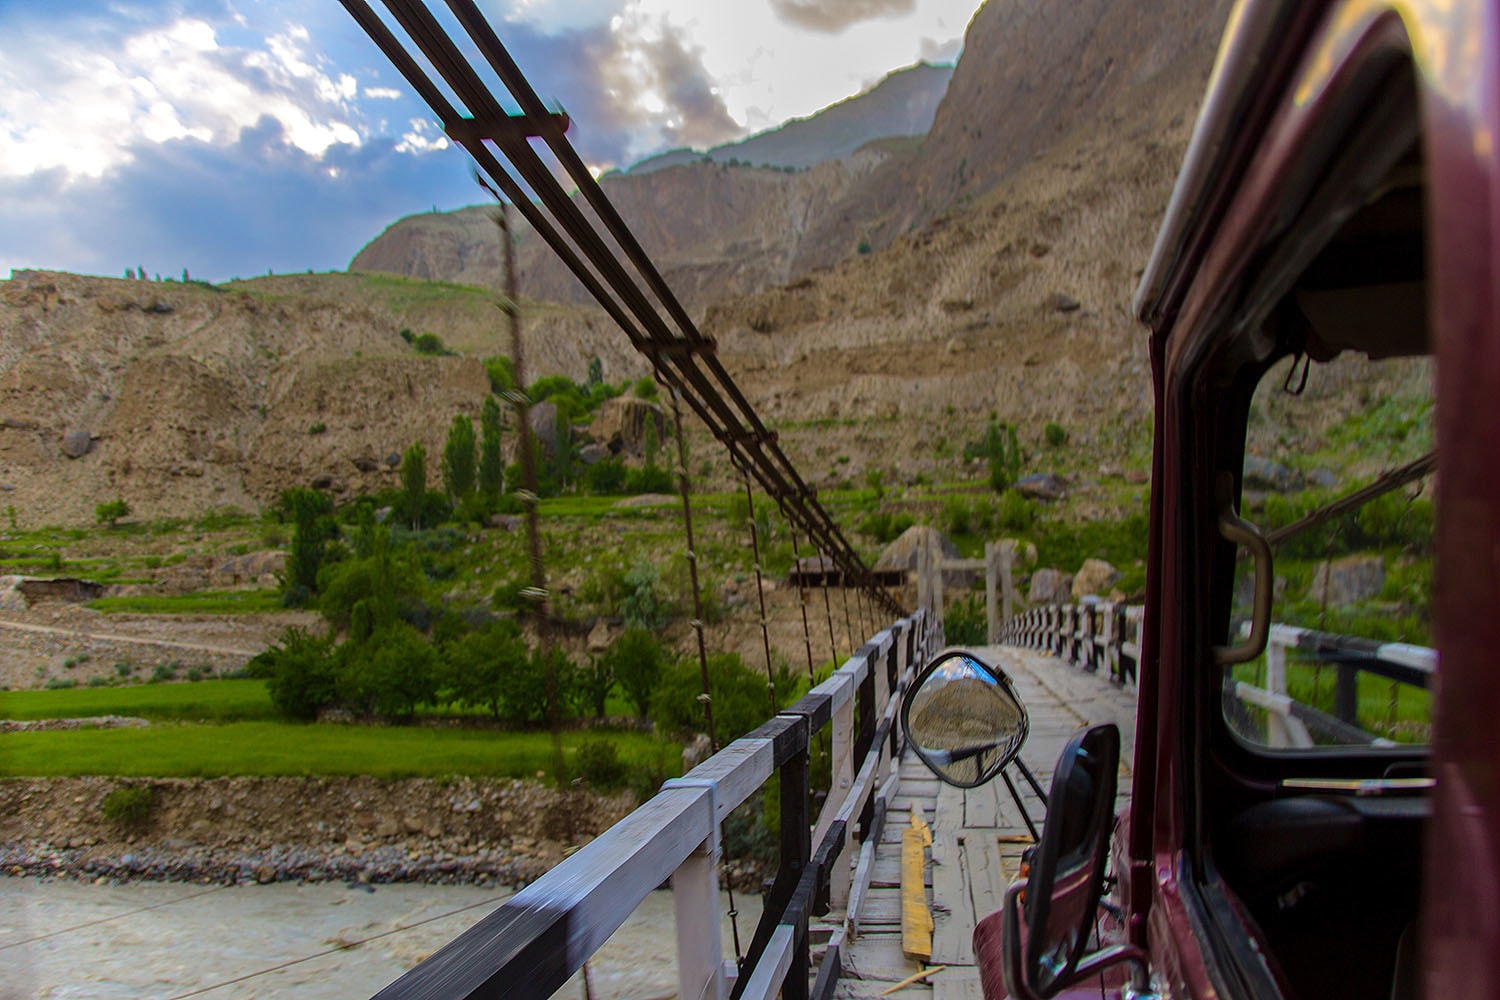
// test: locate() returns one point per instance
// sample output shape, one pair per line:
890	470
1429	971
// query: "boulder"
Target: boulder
1042	486
543	420
366	461
1049	586
1064	303
621	423
600	637
1095	577
76	443
592	454
904	554
1264	474
1346	581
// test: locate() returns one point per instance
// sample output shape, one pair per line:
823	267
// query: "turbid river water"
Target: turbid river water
167	940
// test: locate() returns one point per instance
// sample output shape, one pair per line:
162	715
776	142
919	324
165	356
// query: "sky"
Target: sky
235	137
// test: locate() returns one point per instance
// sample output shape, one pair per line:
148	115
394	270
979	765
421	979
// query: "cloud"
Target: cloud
82	94
240	208
632	86
833	16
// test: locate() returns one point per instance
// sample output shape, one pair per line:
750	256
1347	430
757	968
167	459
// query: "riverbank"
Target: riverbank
239	830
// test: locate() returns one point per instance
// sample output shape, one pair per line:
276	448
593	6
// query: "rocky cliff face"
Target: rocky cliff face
712	229
1031	74
187	398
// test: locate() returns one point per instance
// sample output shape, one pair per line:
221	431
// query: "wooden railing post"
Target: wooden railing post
695	902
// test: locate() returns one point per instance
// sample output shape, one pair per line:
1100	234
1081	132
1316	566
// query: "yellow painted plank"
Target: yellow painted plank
916	918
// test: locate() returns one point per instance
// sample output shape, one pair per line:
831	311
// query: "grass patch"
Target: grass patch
206	602
286	749
217	701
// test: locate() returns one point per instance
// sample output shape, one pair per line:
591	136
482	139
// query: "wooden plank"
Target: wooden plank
981	808
765	981
952	917
987	878
916	919
957	982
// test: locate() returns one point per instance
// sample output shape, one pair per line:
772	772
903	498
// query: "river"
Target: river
67	939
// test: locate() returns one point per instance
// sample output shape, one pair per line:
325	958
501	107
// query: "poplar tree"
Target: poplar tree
458	459
491	464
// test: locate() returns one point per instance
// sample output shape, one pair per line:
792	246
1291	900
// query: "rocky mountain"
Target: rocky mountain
1030	75
902	104
877	309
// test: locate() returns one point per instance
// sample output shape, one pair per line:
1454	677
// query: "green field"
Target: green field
209	701
275	748
203	602
228	727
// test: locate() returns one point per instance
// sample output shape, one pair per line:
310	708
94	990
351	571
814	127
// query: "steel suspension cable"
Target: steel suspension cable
685	362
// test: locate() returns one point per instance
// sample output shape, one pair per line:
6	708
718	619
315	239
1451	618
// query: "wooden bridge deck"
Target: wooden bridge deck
978	836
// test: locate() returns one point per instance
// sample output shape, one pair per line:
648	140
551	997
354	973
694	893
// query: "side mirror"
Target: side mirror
1067	875
964	719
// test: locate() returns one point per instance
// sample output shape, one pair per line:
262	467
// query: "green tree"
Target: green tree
479	664
367	595
596	371
458	459
111	511
592	684
1001	452
303	678
636	660
491	464
390	673
311	514
740	701
413	484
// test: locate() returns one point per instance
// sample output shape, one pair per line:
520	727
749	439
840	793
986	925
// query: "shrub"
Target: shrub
599	764
1055	435
430	344
884	526
317	428
60	683
128	806
458	458
648	479
605	477
98	682
164	672
643	607
964	622
1014	512
111	511
645	388
124	669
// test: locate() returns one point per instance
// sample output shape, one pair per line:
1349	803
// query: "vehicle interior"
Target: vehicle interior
1315	393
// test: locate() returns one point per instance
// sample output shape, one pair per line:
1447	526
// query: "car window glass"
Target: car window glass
1338	475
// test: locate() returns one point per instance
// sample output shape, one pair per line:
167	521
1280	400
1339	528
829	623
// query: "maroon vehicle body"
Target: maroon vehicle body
1293	85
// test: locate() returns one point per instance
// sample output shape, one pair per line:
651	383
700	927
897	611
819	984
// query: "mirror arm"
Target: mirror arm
1036	836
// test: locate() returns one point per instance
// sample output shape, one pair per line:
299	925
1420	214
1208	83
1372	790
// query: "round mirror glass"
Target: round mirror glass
964	719
1068	872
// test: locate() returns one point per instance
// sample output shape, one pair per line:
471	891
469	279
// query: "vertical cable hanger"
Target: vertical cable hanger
760	589
706	697
802	601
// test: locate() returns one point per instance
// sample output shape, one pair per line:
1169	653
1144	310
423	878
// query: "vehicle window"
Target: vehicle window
1338	474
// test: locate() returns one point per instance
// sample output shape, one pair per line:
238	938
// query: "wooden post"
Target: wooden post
991	584
924	582
695	902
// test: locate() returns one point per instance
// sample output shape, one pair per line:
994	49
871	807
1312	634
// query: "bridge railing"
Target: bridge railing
1100	636
1106	637
532	943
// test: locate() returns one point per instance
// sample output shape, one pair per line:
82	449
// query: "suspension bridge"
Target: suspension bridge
851	911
